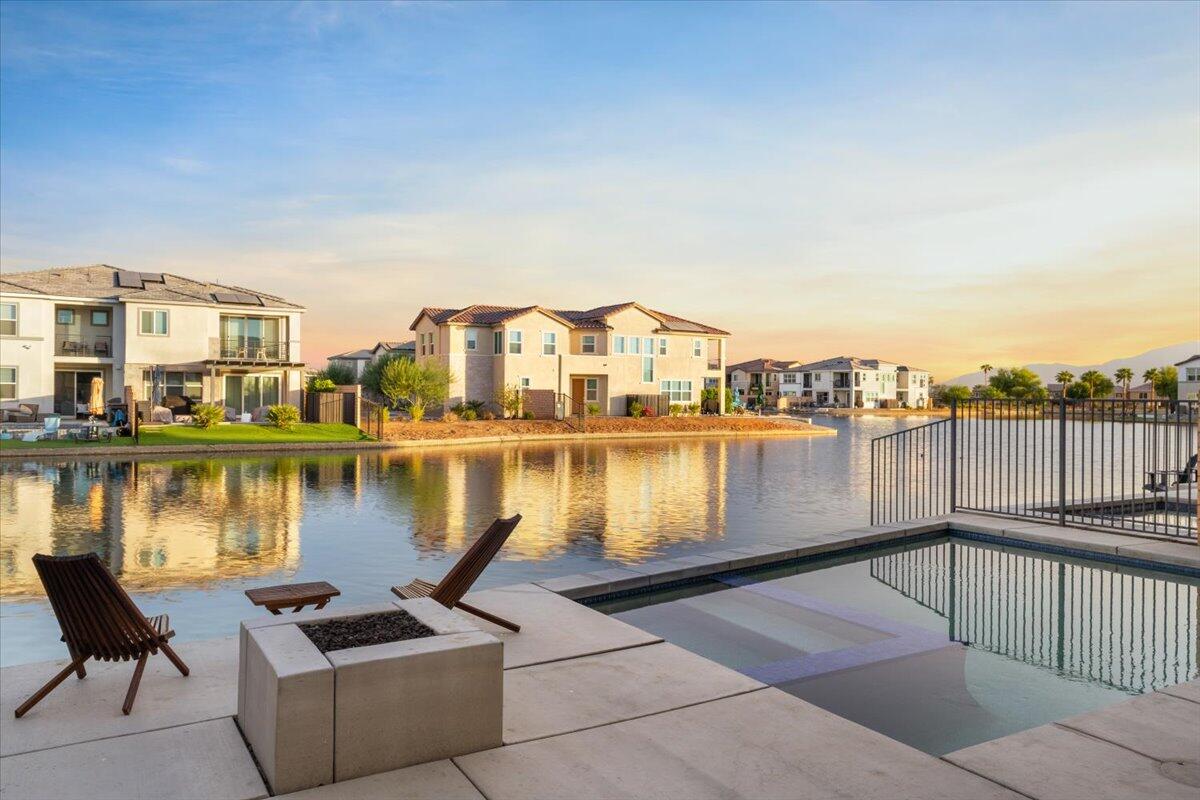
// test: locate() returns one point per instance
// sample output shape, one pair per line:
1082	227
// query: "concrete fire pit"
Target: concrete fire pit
313	718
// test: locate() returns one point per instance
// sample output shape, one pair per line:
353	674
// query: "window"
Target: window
1192	374
697	345
591	390
65	316
677	391
588	343
153	322
549	343
8	319
8	383
662	347
514	342
648	346
100	318
789	377
526	383
472	339
497	342
248	392
182	384
647	369
619	345
635	345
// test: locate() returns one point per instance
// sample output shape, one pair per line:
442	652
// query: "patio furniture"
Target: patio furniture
98	620
178	404
49	429
295	595
450	590
101	349
94	431
24	412
1160	480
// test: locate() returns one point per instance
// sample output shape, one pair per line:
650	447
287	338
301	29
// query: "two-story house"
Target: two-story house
598	356
162	334
852	382
759	377
357	360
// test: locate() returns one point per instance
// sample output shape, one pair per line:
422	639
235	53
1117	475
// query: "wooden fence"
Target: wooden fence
660	404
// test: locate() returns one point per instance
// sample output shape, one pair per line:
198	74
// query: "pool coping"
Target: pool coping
1175	557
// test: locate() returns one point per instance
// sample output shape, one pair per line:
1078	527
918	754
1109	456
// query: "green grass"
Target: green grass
157	436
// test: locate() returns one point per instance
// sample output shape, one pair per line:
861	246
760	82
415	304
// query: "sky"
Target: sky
935	184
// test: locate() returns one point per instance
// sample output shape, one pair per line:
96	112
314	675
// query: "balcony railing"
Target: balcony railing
249	348
79	345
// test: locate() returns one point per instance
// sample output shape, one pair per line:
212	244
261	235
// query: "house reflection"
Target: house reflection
156	524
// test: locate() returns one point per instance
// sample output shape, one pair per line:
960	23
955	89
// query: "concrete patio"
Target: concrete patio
594	707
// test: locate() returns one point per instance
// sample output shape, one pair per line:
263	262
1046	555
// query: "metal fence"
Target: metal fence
1123	464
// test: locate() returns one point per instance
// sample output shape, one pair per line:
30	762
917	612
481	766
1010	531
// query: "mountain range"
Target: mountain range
1159	357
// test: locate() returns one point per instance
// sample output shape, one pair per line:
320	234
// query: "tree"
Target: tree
986	369
340	374
1166	383
1064	378
508	397
1018	383
1079	391
370	375
1149	375
1097	382
1125	377
418	385
988	393
947	394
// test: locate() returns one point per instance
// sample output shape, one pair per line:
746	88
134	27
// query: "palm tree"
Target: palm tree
1150	376
1064	379
1124	377
985	369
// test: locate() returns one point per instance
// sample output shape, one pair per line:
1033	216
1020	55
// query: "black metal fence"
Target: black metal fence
1123	464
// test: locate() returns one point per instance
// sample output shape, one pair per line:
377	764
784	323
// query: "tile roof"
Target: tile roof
847	362
103	282
761	365
353	355
590	318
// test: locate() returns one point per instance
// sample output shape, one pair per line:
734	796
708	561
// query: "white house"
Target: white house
60	328
1189	378
851	382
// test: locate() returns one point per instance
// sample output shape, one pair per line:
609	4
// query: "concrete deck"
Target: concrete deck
595	707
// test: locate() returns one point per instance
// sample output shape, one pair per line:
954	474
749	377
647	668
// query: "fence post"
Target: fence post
1062	461
953	455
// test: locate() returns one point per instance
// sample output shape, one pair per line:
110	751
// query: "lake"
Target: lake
187	537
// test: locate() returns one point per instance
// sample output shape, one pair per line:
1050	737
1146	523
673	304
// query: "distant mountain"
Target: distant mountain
1139	364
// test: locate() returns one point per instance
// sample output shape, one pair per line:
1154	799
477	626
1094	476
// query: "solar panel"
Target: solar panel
129	280
152	277
238	298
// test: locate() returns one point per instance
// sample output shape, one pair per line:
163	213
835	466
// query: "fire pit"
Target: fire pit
367	690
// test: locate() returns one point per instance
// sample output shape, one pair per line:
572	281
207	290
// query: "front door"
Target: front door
577	390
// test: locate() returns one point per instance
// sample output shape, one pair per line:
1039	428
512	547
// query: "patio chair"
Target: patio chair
98	620
49	429
1160	480
24	412
450	590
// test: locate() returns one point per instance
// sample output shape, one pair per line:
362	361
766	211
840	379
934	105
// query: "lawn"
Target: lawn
160	435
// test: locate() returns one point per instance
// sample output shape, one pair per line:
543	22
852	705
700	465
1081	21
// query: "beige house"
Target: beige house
598	356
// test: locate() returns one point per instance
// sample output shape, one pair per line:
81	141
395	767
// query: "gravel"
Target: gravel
341	634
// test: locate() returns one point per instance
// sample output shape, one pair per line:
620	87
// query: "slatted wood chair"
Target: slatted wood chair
450	590
98	620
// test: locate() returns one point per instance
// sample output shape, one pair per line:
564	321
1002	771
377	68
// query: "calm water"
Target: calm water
188	537
941	645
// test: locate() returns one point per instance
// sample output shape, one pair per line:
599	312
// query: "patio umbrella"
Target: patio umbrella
96	402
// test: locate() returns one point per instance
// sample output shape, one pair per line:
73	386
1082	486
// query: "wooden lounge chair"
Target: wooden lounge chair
450	590
98	620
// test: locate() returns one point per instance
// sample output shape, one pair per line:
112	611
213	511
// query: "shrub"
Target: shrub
321	384
508	397
488	415
592	409
528	415
693	408
283	416
648	411
676	409
417	385
449	416
206	415
469	415
636	409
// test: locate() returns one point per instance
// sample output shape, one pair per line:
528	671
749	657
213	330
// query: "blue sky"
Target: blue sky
932	183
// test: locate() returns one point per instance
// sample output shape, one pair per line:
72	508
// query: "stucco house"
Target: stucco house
1189	378
746	378
357	360
600	355
212	343
852	382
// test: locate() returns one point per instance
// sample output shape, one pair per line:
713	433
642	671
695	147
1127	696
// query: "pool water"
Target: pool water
940	644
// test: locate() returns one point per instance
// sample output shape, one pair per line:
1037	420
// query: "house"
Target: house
1143	391
357	360
598	356
1189	378
852	382
60	328
747	377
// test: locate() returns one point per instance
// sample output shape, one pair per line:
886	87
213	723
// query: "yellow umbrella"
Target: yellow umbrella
96	403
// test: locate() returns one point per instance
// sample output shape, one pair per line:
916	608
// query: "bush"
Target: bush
693	408
592	409
488	415
636	409
320	384
528	415
206	415
508	397
449	416
283	416
648	411
469	415
676	409
418	386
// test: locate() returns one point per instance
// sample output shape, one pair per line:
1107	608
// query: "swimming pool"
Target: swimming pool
942	643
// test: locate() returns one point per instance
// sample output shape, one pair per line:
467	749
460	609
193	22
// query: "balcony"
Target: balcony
83	345
250	350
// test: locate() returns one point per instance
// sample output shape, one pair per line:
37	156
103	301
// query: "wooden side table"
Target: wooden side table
295	595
